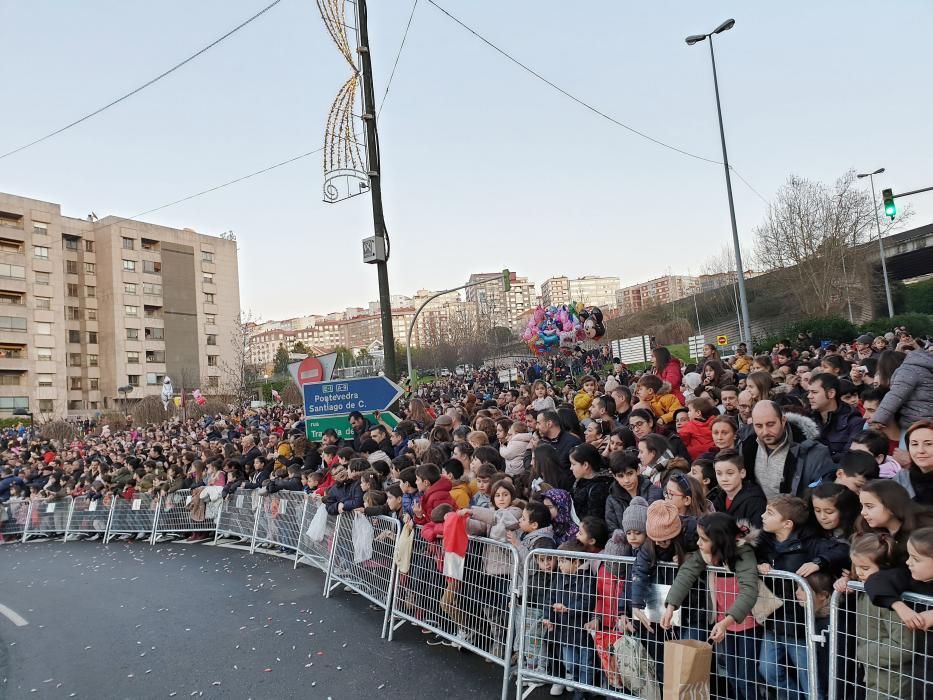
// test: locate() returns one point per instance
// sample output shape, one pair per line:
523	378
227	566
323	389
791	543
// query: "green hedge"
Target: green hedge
840	330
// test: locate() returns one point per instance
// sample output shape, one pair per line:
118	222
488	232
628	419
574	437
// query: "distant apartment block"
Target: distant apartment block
662	290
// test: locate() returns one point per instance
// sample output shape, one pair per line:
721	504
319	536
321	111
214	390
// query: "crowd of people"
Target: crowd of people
811	459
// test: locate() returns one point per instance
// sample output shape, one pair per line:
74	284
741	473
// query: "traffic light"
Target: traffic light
889	207
506	280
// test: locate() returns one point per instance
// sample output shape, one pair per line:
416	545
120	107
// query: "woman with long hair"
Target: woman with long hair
546	466
669	369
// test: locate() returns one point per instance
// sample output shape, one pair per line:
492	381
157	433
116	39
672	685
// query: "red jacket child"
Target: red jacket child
697	436
436	490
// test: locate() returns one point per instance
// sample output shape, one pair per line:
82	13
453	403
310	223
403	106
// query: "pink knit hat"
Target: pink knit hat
663	521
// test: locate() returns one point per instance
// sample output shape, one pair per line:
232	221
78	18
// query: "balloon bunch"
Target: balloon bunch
560	328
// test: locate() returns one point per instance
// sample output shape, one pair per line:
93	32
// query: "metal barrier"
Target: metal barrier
175	515
239	513
315	552
576	614
88	516
46	517
132	516
279	519
372	578
873	654
476	613
13	516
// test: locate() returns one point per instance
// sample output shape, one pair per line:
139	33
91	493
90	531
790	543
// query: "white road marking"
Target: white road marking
13	616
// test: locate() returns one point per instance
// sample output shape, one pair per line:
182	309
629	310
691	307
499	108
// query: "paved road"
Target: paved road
127	620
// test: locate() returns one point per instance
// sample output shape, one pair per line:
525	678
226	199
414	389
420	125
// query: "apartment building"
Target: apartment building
555	291
90	306
661	290
496	307
591	290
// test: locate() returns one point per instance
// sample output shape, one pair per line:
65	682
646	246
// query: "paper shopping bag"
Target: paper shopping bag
686	669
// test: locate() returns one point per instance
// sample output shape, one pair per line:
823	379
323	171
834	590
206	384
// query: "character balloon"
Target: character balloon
167	392
593	327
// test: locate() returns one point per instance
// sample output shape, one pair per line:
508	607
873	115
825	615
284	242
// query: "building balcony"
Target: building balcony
14	364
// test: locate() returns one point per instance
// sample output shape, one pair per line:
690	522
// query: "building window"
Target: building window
153	267
129	265
71	267
153	289
90	291
208	298
8	246
212	340
152	379
44	354
148	244
129	288
46	406
74	337
132	379
74	383
10	379
212	360
131	310
72	313
92	337
11	298
207	256
155	334
12	352
128	243
71	290
94	383
157	356
41	251
132	357
91	314
207	277
210	319
11	323
89	268
40	229
213	381
132	334
17	272
11	403
41	277
70	243
88	246
75	405
92	360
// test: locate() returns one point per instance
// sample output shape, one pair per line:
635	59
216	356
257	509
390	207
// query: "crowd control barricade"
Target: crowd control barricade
132	516
46	517
88	516
13	516
374	577
176	515
596	646
279	519
873	653
315	552
238	515
477	612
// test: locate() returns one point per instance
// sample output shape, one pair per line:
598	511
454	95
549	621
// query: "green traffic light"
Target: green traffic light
890	209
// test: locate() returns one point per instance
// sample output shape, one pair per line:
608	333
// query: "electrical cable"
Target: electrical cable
144	85
398	55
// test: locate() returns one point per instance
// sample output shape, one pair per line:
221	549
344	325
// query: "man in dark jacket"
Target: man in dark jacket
550	432
250	451
838	421
345	495
361	427
291	483
783	454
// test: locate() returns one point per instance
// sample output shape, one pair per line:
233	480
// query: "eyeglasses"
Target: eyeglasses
637	423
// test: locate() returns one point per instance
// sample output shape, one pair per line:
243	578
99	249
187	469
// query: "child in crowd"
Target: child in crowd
542	402
786	545
662	404
697	433
583	399
571	606
722	543
593	533
856	468
704	471
876	444
434	490
459	490
484	475
833	510
560	505
627	485
409	488
740	497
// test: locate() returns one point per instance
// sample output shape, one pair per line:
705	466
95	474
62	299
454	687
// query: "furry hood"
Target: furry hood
807	426
748	534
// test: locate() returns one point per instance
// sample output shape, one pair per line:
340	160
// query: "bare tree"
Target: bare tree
238	373
149	411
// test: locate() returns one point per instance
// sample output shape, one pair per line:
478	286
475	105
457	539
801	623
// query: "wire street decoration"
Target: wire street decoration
345	173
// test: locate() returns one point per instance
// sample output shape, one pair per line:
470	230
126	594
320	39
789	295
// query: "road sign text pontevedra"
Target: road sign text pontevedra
342	397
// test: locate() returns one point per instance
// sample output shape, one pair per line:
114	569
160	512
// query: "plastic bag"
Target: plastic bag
403	547
363	534
318	527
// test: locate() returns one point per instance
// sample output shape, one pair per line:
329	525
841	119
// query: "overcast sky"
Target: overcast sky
484	166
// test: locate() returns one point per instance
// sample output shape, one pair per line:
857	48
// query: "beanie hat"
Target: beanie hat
663	521
617	544
634	517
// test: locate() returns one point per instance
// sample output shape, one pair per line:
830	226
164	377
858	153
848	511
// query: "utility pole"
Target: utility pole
375	190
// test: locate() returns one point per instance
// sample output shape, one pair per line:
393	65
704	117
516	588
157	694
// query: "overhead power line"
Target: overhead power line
146	84
398	55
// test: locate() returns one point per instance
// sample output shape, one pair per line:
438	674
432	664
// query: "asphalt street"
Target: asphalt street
127	620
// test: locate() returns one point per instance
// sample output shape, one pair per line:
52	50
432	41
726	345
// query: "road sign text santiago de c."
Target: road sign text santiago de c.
341	397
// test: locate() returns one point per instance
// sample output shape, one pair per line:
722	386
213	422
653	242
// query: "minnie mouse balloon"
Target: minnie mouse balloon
593	326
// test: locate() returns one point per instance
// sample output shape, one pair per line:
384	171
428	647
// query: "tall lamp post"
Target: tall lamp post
739	268
884	264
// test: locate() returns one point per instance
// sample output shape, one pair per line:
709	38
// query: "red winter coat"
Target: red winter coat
697	436
672	375
438	493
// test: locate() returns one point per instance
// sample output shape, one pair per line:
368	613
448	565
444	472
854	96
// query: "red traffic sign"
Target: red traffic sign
310	370
722	340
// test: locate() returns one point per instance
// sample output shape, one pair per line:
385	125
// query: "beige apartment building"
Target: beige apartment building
88	306
661	290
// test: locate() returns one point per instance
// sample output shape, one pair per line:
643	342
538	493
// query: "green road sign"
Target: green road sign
315	427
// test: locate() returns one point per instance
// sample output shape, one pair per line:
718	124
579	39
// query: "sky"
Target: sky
484	166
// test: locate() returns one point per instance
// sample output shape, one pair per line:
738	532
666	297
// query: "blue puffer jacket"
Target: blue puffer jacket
350	493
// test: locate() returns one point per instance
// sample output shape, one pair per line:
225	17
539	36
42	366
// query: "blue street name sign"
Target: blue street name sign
348	395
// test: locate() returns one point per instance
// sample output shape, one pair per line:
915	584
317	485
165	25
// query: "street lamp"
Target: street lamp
739	268
884	264
125	390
